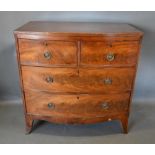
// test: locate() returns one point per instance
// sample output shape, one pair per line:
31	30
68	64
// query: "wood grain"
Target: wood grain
76	105
85	31
78	68
77	28
62	52
83	120
95	53
71	81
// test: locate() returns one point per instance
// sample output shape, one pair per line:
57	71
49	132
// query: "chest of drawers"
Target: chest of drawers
77	72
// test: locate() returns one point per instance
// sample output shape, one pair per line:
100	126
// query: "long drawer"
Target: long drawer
48	104
105	80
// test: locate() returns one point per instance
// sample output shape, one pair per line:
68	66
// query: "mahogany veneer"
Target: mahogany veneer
77	72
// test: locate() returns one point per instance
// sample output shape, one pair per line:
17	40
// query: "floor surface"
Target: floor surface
141	128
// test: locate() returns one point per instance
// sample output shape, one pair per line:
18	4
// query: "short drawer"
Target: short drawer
105	80
116	53
82	105
47	53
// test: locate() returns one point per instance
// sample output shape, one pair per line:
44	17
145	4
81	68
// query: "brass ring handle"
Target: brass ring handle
49	79
108	81
105	105
51	106
110	57
47	55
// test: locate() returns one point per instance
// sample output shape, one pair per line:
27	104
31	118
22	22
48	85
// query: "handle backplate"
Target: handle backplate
105	105
49	79
47	55
107	81
51	105
110	57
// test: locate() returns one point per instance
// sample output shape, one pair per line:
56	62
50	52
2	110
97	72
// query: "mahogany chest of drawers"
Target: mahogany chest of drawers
77	72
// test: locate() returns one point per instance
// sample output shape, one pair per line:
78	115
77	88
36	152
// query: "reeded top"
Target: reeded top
82	28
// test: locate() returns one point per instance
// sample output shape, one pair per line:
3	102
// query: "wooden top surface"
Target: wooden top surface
83	28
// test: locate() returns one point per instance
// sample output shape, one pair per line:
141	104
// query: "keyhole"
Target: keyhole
78	97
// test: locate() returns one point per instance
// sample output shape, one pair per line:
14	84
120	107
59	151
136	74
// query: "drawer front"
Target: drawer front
86	81
49	104
100	53
46	53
